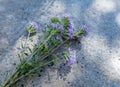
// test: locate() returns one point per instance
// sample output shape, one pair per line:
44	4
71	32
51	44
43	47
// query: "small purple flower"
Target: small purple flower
70	29
53	25
67	16
59	26
86	29
34	25
72	59
71	25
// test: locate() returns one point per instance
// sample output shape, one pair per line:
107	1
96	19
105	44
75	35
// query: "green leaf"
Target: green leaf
21	60
22	46
30	49
55	57
55	42
65	22
82	31
27	66
40	63
25	53
55	20
76	34
31	39
66	54
30	29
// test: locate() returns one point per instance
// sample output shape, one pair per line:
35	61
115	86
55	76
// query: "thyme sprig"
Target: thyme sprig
59	32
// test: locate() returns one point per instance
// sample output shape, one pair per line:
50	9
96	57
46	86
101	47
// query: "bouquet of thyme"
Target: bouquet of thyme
59	32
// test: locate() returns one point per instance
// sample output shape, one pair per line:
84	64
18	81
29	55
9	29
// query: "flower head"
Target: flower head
85	30
57	25
53	25
67	16
72	57
70	25
70	29
32	27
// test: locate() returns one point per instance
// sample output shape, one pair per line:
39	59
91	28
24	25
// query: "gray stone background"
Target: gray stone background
98	55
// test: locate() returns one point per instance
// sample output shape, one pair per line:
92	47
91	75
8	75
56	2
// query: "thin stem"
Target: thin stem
26	40
54	50
7	81
30	72
38	66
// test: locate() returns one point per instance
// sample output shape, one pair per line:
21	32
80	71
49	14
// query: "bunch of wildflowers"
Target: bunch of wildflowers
45	52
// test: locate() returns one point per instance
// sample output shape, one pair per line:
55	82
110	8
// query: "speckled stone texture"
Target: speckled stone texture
98	54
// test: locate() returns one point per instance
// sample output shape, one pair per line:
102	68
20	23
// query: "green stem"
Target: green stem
37	61
27	74
26	40
8	80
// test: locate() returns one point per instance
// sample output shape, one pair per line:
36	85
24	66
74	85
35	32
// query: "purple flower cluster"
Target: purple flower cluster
86	29
57	25
67	16
53	25
72	59
34	25
71	26
70	29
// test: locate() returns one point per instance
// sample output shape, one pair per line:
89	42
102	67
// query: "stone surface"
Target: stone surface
98	54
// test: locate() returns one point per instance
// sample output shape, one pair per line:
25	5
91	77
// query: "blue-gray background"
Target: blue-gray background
98	55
